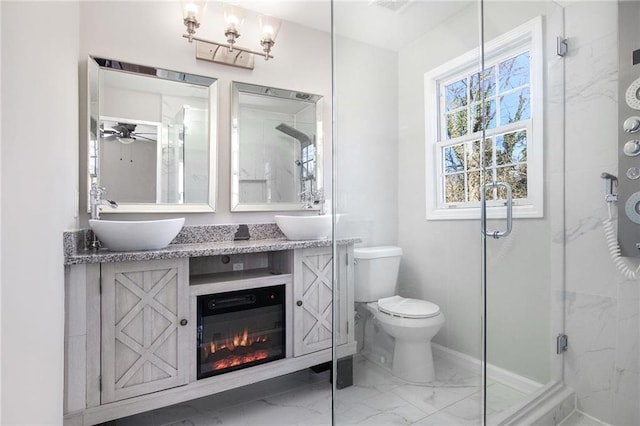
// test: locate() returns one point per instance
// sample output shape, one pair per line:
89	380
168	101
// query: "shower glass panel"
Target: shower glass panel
407	175
523	154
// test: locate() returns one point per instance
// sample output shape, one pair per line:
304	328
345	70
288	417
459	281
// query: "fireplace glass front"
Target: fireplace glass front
240	329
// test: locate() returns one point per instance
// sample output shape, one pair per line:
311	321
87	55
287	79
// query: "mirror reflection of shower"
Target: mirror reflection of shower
306	159
276	147
183	159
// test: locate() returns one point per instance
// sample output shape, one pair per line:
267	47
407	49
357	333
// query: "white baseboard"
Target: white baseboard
497	374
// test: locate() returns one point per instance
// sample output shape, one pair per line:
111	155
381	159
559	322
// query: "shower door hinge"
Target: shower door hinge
562	343
561	46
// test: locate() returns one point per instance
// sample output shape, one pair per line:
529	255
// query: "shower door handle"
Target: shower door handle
483	210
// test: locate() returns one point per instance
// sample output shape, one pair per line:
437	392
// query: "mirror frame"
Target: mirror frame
94	116
318	100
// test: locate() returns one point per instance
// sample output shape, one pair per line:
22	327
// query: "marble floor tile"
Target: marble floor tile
369	374
501	397
443	419
449	374
466	411
385	409
377	398
434	398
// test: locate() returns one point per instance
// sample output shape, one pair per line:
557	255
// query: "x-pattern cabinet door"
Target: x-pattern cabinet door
144	339
313	298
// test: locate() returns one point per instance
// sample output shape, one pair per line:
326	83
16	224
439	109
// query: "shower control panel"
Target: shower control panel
629	128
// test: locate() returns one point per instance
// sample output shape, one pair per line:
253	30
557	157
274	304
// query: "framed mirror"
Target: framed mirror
152	137
276	148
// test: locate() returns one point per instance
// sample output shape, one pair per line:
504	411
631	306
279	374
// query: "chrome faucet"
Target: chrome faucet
310	199
307	199
319	199
96	200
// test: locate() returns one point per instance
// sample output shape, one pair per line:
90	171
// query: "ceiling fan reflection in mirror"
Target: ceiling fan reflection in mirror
126	133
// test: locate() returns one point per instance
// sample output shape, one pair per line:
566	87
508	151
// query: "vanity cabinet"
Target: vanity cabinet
145	311
131	338
316	298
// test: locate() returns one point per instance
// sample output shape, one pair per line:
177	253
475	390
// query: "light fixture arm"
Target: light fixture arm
266	46
266	54
232	36
192	24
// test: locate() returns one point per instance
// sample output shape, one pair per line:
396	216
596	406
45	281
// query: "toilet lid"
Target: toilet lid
408	308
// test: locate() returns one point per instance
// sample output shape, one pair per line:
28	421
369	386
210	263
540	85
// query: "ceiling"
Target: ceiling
361	20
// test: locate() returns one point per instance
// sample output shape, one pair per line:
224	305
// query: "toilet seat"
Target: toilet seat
403	307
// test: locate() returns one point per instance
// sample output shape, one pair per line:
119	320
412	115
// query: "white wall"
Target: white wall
302	62
367	134
602	308
39	181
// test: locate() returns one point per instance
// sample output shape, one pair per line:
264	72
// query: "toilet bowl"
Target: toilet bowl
411	322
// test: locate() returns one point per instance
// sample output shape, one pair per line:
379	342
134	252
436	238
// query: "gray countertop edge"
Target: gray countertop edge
199	250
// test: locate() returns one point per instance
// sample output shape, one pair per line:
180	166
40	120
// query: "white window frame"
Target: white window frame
527	36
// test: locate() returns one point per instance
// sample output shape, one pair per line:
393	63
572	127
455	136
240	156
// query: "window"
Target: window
510	116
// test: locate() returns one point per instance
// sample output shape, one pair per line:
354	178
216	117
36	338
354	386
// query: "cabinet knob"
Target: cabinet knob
184	321
299	303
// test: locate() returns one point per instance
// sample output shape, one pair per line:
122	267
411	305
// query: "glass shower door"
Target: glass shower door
523	189
399	176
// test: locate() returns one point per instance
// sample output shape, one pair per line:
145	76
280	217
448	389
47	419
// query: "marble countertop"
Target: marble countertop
197	250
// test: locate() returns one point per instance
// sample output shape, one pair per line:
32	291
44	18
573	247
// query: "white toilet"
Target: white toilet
411	322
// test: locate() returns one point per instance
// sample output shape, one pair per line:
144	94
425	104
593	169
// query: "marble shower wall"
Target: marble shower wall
601	306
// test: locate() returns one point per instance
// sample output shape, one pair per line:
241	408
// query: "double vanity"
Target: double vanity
208	313
222	306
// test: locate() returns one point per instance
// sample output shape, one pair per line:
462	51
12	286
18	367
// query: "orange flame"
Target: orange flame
235	360
233	342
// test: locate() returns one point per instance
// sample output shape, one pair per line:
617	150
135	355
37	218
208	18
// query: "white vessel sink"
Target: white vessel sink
315	227
128	235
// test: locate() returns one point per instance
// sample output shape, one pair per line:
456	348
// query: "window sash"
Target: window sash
490	133
440	146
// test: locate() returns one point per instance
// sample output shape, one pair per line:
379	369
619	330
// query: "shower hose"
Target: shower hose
614	248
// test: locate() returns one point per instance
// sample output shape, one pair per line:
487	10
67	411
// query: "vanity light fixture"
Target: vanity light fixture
228	53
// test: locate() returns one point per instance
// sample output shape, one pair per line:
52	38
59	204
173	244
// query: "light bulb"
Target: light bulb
193	9
269	27
233	19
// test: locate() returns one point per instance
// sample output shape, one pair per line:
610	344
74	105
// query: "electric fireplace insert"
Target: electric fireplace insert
240	329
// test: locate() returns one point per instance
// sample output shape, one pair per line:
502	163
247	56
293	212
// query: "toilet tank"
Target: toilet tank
376	272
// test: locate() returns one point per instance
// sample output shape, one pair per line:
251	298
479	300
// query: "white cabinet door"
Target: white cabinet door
313	293
313	296
145	344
